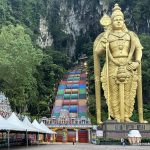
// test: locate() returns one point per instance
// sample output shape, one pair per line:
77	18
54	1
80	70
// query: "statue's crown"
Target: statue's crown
116	11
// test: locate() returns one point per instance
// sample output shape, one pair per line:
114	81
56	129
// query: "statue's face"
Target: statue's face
118	22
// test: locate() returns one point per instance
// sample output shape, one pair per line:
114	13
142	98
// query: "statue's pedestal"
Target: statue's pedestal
114	130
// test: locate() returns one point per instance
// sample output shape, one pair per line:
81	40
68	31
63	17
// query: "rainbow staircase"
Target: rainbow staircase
71	99
69	117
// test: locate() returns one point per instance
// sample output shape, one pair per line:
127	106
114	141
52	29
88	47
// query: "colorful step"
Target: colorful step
72	94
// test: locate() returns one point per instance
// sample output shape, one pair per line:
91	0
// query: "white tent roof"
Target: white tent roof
47	129
6	125
134	133
3	124
15	122
38	126
1	118
28	123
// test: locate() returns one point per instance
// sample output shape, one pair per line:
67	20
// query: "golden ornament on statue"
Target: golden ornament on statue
105	20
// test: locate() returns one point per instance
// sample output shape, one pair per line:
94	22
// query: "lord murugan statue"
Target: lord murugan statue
121	74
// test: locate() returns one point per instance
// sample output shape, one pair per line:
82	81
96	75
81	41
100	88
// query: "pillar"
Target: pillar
76	135
89	135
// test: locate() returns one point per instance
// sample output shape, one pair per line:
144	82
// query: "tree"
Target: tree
145	66
50	72
18	61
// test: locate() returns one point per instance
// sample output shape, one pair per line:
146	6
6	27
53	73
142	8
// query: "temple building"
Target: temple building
5	109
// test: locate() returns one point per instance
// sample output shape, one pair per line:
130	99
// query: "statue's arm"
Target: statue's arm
138	55
138	48
138	52
99	45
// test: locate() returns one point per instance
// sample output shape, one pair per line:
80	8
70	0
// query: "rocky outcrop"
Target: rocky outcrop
45	38
79	17
76	18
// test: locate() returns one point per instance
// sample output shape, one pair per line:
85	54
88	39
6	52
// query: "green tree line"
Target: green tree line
29	75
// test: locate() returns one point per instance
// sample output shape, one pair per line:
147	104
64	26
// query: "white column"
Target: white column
76	135
89	135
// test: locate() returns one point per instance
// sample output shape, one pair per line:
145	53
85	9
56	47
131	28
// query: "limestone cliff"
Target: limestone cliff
74	18
69	24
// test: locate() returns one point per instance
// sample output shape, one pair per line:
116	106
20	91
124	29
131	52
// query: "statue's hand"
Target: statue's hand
132	66
121	74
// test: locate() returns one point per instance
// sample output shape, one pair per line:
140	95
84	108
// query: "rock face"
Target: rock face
67	24
76	18
44	39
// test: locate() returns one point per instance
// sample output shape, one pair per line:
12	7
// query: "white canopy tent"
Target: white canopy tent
38	126
6	125
28	123
14	124
134	133
134	137
14	121
47	129
3	124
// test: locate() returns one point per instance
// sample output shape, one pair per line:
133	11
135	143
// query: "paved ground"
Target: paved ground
80	147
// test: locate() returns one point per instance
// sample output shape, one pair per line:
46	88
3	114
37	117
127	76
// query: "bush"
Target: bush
103	141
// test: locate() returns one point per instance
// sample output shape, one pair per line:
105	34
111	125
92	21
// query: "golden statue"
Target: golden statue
121	73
